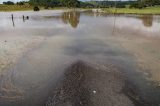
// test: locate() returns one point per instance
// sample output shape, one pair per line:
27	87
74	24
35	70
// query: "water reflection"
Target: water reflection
72	18
147	20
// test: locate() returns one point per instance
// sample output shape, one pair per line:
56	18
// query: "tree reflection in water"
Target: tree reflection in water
147	20
71	17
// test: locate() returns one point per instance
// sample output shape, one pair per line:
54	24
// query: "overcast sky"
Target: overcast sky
1	1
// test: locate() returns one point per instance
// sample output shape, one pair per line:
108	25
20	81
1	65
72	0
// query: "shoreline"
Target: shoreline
117	11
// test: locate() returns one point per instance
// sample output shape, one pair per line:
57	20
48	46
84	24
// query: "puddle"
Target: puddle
129	42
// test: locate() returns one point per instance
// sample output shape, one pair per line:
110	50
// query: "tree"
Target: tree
145	3
38	2
21	3
36	8
71	3
8	3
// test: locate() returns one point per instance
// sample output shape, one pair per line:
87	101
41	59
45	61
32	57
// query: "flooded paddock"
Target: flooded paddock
79	58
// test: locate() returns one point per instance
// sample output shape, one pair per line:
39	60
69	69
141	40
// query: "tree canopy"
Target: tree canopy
103	3
145	3
70	3
56	3
8	3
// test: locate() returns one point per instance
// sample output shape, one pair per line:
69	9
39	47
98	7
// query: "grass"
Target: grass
15	7
148	10
24	8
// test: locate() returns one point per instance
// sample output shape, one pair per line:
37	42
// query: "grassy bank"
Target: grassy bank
15	7
148	10
24	8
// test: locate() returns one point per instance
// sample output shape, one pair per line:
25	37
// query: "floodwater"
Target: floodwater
130	42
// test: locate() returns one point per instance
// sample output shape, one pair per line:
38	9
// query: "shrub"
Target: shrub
36	8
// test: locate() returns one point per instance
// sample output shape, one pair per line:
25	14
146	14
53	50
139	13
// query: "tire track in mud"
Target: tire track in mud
84	85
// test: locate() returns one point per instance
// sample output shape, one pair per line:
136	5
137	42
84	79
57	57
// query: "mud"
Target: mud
84	85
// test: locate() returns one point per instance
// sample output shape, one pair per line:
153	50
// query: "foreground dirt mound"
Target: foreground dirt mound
84	85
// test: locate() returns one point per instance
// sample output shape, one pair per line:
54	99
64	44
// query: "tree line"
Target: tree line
55	3
144	3
12	3
90	4
95	4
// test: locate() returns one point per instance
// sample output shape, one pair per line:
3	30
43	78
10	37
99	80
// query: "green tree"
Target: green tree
70	3
145	3
8	3
55	3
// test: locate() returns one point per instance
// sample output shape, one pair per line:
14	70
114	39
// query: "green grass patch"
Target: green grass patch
15	7
148	10
25	8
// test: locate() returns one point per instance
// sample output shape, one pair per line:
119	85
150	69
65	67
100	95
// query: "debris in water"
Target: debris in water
94	92
159	85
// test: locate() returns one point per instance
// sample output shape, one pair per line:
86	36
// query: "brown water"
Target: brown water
131	42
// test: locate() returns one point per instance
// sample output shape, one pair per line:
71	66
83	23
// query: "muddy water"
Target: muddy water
129	42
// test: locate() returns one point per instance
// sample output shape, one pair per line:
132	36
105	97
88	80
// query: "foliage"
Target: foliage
111	3
8	3
86	5
145	3
21	3
55	3
70	3
36	8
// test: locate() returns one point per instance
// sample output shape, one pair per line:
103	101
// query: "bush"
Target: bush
138	5
20	3
36	8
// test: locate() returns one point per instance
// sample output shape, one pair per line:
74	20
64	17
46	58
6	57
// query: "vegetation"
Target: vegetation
123	7
55	3
21	3
8	3
15	7
70	3
147	10
144	3
107	4
36	8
